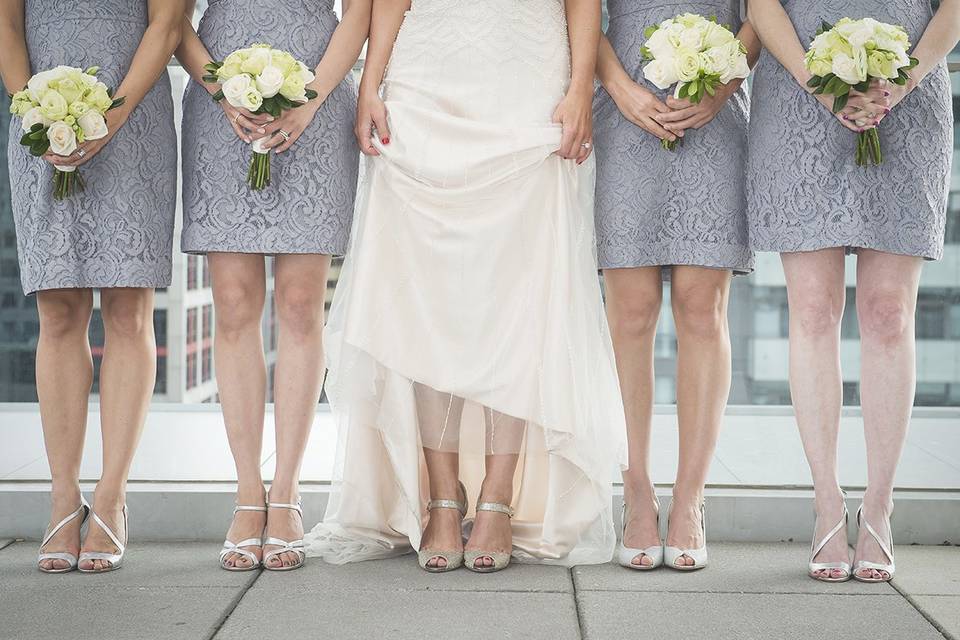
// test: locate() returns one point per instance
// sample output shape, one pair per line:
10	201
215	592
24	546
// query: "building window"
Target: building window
191	272
191	370
191	327
207	321
206	365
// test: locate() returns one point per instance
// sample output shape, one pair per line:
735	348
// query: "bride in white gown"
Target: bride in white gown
467	339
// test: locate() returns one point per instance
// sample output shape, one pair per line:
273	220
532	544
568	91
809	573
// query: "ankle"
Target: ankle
828	500
683	498
283	494
491	492
65	495
251	494
108	498
878	504
638	491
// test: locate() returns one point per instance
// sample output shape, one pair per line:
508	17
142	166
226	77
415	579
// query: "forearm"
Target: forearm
776	33
159	42
15	61
344	47
610	71
384	26
583	26
939	39
192	53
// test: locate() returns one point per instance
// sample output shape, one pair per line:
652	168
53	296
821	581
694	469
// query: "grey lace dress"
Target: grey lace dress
655	207
806	192
119	232
308	207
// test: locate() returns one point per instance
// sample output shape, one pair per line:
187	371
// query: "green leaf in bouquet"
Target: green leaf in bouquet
39	147
92	71
118	102
824	27
840	102
863	87
211	79
212	66
311	94
37	135
814	81
913	62
218	96
25	139
710	89
37	126
649	31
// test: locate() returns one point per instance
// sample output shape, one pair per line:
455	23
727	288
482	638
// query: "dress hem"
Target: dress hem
851	248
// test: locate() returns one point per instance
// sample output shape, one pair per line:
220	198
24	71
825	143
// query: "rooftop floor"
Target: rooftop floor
750	591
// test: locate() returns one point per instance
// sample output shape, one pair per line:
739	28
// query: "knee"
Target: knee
300	309
700	313
816	313
884	316
238	308
128	314
64	313
634	319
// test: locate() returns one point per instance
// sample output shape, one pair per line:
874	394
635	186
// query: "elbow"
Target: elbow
168	32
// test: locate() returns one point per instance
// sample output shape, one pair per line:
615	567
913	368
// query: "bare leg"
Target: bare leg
64	379
439	416
127	378
699	297
887	287
239	285
633	307
816	295
301	286
491	529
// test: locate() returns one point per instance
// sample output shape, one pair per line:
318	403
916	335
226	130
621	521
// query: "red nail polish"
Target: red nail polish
385	140
886	93
887	110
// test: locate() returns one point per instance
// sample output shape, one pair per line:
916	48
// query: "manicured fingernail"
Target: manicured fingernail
261	130
845	117
861	130
385	140
886	110
886	93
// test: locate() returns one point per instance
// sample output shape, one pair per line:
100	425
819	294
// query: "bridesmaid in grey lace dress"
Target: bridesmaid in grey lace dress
682	213
116	236
810	202
303	217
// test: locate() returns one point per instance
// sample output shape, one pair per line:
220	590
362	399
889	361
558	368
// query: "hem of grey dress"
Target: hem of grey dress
159	284
851	248
266	251
726	257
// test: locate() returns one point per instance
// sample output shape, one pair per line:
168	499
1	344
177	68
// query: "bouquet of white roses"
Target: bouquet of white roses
60	109
850	55
696	53
261	79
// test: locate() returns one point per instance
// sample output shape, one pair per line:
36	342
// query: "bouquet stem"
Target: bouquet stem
671	145
259	175
65	183
868	148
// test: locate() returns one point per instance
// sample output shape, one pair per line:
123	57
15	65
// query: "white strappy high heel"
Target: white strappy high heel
887	549
699	556
817	547
115	559
237	547
69	558
501	559
626	555
293	546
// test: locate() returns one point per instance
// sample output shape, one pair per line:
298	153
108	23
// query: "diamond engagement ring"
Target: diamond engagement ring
237	119
81	153
284	134
586	145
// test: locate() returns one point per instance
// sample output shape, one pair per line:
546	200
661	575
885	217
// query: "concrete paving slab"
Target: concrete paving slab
5	543
928	570
145	565
401	615
405	574
725	616
944	610
734	568
72	612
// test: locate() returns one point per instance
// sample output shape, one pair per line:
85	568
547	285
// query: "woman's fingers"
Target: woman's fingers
676	115
288	142
381	126
657	129
365	137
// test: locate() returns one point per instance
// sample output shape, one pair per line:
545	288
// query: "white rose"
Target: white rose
716	36
660	72
235	88
37	85
251	100
63	141
691	38
717	61
259	59
739	68
687	65
305	73
847	69
94	125
659	45
269	81
33	117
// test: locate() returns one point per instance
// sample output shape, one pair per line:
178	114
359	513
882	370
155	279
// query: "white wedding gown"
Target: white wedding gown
471	279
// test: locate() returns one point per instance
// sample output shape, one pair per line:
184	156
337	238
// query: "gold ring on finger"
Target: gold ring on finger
284	134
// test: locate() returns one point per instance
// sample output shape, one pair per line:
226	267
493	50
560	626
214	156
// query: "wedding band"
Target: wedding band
284	134
237	119
81	153
586	145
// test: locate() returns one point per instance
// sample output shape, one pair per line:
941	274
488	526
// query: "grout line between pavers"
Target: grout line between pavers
232	607
576	605
6	543
746	593
930	619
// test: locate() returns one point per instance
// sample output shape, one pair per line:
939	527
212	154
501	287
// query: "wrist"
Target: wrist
619	86
580	88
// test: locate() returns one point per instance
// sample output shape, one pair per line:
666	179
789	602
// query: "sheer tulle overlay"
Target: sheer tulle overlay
468	315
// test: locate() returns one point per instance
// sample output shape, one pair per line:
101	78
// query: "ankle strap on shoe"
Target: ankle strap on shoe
447	504
495	506
245	507
284	505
